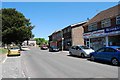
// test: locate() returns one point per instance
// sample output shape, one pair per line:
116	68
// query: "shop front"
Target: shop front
95	39
100	38
113	34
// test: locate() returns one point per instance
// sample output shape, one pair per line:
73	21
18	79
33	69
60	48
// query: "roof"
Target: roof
55	32
111	12
75	25
78	24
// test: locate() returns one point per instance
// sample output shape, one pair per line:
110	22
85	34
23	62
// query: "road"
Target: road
37	63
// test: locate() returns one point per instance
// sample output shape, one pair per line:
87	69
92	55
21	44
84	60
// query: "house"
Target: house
30	42
103	29
68	36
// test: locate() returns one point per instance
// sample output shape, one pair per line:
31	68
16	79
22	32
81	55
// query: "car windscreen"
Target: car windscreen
14	48
84	47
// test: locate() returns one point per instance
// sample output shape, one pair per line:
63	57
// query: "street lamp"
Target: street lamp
62	43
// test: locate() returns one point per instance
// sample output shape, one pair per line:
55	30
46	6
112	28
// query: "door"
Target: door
109	54
78	51
73	50
100	54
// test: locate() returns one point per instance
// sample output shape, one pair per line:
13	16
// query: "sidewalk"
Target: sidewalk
2	57
3	54
65	51
12	68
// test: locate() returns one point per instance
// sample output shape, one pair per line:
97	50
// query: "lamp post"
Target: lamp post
62	43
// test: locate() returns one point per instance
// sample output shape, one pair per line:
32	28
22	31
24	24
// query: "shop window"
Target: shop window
118	20
105	23
92	26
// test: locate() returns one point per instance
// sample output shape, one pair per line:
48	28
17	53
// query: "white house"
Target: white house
30	43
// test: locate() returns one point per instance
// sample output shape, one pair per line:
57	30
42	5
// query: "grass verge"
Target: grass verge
3	51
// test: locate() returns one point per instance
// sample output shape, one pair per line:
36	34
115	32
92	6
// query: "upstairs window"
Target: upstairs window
105	23
64	31
68	30
92	26
118	20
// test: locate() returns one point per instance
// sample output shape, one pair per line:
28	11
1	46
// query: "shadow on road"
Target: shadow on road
96	61
102	62
77	56
12	55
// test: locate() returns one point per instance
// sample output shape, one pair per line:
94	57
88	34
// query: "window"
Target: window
73	47
92	26
105	23
101	50
84	47
65	31
118	20
78	48
68	30
110	50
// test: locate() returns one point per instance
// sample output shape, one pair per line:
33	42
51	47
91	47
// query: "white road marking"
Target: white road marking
4	60
23	73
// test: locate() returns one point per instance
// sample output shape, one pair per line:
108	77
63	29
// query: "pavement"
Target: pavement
2	57
37	63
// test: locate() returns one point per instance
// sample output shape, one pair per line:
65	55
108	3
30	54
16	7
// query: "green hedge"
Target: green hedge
3	51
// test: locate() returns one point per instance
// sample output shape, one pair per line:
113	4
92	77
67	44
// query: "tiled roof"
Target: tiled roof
111	12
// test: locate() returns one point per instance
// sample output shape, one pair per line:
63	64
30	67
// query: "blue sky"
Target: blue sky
51	16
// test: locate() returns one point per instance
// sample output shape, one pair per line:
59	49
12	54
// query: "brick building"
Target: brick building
77	31
67	37
55	39
70	35
103	29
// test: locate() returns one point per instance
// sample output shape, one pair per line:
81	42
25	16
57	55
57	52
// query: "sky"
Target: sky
60	0
51	16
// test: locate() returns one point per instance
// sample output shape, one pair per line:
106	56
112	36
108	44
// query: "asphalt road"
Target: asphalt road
37	63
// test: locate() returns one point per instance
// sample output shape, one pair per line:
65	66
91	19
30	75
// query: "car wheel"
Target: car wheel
82	55
92	58
114	61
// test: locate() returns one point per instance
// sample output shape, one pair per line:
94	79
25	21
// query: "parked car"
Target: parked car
79	50
111	54
25	48
44	47
53	49
14	51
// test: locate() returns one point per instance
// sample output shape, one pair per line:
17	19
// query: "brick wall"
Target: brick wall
77	38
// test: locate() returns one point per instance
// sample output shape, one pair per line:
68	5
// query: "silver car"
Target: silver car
79	50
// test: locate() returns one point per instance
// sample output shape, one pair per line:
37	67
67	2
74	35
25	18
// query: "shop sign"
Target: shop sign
112	29
97	33
94	34
86	35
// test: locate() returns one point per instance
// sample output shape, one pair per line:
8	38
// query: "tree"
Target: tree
41	41
15	27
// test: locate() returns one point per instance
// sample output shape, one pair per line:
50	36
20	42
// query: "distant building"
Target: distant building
103	29
29	43
55	39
